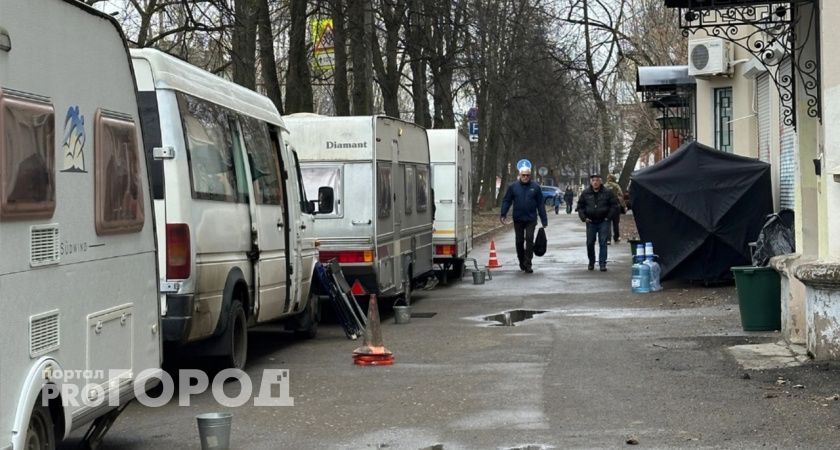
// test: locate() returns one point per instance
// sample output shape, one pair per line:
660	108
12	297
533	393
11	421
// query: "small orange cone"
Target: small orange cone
373	352
494	261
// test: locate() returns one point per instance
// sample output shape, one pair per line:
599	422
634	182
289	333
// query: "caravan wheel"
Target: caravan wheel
236	338
40	434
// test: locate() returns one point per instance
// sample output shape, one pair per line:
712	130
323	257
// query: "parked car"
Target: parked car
552	194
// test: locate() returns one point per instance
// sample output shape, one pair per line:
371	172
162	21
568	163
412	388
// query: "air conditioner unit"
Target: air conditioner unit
709	56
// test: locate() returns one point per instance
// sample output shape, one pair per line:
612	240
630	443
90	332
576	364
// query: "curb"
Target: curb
486	234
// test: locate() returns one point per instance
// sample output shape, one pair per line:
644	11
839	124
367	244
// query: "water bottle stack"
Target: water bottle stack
645	271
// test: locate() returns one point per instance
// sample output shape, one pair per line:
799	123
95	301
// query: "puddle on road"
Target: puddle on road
510	318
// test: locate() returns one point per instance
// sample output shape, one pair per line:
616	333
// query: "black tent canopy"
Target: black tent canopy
701	208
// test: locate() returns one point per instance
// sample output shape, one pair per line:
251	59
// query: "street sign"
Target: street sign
473	138
472	126
472	114
543	171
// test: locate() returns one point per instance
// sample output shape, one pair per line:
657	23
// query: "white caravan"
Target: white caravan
379	222
451	175
78	275
231	215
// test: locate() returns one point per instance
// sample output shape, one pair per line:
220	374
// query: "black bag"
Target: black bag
541	243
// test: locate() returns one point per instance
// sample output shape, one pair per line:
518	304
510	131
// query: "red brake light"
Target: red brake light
347	257
446	250
177	251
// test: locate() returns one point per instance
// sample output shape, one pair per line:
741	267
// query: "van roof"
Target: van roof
170	72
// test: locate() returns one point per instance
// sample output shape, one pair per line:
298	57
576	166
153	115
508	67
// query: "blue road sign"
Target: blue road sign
473	128
472	114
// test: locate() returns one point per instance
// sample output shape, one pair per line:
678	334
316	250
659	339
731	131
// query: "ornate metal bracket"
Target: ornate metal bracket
768	30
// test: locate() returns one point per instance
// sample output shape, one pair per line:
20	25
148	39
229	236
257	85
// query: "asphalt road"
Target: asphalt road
599	367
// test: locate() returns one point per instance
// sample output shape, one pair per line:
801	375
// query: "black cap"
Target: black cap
594	175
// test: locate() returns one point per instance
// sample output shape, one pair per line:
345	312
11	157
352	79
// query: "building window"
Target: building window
119	190
27	155
723	119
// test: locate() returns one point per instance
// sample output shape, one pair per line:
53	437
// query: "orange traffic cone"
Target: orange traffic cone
373	352
494	262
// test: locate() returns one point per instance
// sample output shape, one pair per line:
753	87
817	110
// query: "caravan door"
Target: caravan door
269	224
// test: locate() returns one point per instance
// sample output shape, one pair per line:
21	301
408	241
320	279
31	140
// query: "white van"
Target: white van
379	219
231	213
78	274
451	175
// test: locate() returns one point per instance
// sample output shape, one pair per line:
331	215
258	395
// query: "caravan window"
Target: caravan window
27	158
209	149
314	177
118	189
383	190
422	188
264	161
409	188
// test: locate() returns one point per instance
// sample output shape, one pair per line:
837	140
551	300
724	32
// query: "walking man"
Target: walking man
569	198
613	186
597	206
527	200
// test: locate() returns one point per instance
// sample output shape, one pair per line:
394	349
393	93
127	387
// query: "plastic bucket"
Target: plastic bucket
214	430
402	314
478	277
759	298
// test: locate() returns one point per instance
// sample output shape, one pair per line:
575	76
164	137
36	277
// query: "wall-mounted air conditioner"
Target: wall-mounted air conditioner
709	57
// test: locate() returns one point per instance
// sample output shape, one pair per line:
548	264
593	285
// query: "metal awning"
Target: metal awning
662	78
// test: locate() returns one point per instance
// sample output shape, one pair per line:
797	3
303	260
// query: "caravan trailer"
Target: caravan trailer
451	175
379	226
232	219
78	274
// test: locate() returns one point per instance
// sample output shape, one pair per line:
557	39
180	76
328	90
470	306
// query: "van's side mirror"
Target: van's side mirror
326	200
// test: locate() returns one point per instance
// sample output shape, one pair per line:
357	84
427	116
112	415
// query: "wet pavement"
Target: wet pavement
599	367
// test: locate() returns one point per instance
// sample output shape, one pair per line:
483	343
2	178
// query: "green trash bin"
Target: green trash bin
759	298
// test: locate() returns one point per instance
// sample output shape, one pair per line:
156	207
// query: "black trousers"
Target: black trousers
615	223
524	242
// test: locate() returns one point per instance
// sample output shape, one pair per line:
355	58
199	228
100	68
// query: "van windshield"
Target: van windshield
314	177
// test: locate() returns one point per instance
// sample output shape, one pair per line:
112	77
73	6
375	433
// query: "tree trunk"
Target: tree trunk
244	44
341	87
267	59
359	28
298	78
415	47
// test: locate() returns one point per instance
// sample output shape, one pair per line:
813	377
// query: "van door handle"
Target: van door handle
280	224
303	226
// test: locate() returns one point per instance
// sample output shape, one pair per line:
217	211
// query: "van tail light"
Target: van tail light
346	257
177	251
446	250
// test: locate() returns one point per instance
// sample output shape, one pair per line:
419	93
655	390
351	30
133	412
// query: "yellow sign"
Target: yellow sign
323	41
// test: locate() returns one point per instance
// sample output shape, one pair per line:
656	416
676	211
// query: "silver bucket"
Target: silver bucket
478	277
214	430
402	314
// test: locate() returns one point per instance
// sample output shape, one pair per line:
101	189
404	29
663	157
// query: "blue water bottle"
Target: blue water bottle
640	280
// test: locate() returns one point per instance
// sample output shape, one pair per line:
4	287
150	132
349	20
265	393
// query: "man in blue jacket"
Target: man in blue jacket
527	200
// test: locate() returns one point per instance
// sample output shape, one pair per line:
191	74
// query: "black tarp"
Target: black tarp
701	208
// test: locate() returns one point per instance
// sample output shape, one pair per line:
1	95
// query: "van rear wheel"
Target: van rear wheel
306	323
40	434
236	338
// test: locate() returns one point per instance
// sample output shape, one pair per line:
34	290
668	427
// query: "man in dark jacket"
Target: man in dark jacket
527	200
569	198
597	206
